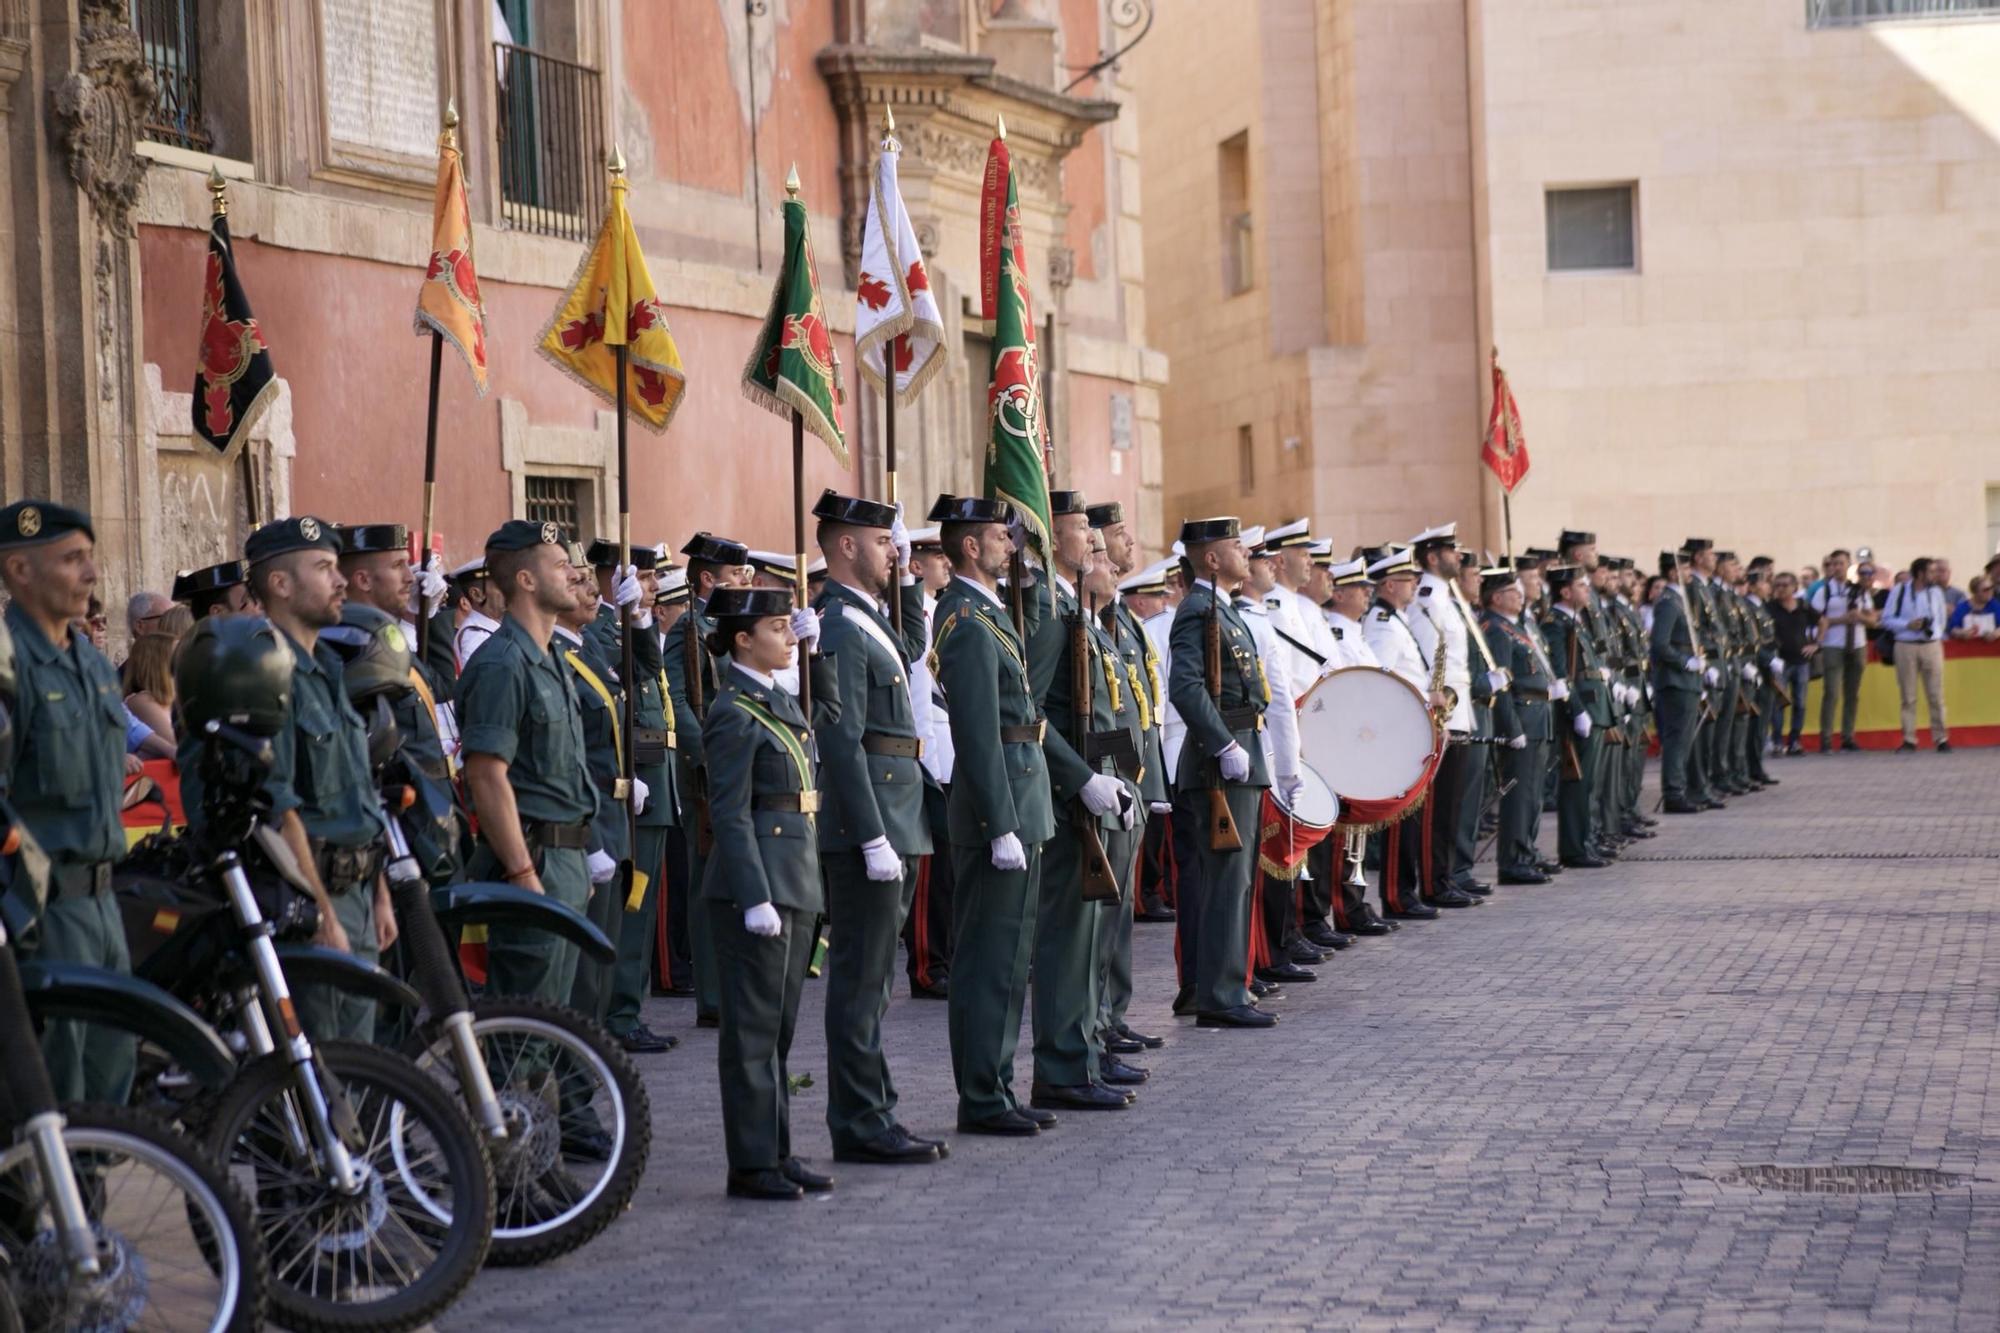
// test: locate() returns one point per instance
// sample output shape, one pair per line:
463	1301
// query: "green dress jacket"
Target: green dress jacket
1673	642
1523	708
1213	723
654	762
1589	690
999	785
762	793
869	754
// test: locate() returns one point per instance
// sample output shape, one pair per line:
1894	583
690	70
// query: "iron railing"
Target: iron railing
551	143
557	500
169	34
1845	13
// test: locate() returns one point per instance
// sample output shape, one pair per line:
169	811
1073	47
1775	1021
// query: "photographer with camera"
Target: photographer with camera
1917	614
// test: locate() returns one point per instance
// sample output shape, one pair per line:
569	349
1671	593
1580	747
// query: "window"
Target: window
1246	459
169	35
1841	13
557	500
551	122
1239	271
1593	229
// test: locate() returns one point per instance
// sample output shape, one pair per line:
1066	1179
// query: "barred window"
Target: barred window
170	37
1842	13
557	500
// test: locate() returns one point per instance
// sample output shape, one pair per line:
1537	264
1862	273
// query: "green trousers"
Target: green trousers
1521	807
1574	800
87	1062
758	983
1635	763
328	1011
1677	711
527	961
1114	927
1065	972
590	990
993	933
638	935
1216	900
865	920
707	990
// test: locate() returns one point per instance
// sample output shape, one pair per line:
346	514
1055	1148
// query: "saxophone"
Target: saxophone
1438	686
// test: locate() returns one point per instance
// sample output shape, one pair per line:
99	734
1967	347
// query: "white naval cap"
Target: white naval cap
1398	561
1253	538
1443	534
1349	572
1180	550
470	567
928	536
772	562
1153	578
1322	551
1298	532
817	565
672	586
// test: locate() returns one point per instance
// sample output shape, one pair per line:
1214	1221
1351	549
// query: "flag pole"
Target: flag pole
799	504
450	140
621	354
889	421
218	194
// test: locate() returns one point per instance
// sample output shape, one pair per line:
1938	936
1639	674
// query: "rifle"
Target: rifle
1223	835
704	828
1572	768
1099	884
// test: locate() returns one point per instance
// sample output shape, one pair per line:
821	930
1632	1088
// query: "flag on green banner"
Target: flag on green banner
792	368
1014	470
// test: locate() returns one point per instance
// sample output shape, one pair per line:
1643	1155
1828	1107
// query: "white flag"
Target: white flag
893	296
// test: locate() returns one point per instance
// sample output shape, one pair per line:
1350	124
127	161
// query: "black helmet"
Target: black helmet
374	653
234	670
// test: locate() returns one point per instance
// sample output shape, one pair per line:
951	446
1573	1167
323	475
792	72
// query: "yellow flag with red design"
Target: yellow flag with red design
448	303
611	302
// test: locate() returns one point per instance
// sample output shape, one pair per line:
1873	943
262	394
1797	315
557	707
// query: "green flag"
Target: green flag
792	368
1014	470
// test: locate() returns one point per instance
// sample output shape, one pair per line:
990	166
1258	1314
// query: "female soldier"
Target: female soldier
762	800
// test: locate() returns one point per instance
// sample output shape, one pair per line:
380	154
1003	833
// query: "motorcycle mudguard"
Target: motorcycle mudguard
489	904
129	1004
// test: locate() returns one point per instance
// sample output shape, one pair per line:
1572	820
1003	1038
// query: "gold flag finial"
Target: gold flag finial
614	161
892	118
792	181
449	138
999	126
218	191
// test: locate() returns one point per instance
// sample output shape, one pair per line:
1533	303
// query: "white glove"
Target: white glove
602	868
1518	743
1777	666
1694	664
1289	786
1100	794
431	586
640	791
1498	681
1749	673
1712	676
1558	689
763	920
900	535
625	588
1007	853
1234	762
1582	725
884	866
1160	807
805	625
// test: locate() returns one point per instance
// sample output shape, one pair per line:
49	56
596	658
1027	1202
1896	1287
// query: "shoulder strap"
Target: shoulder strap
590	678
787	737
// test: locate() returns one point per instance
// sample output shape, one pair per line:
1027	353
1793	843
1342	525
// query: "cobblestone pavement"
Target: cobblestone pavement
1537	1114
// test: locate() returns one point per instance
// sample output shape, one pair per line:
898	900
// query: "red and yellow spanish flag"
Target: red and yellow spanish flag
448	303
610	302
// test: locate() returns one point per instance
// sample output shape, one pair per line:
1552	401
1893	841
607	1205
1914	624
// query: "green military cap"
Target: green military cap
1670	561
1199	531
714	550
970	509
1696	545
724	603
1572	537
32	522
604	554
361	538
286	535
1724	557
1540	554
1107	515
1561	576
521	534
192	583
1065	502
834	507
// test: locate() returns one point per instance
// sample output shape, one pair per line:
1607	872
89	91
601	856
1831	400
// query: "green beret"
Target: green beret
32	522
520	534
304	533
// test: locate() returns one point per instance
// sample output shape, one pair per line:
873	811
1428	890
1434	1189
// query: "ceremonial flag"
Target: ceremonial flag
1014	470
233	379
610	302
1506	448
791	369
448	302
893	298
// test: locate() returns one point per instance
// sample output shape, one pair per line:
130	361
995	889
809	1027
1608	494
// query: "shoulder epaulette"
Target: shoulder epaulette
1424	591
1338	633
1382	616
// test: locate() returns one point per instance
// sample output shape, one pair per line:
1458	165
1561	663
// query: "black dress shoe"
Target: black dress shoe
1710	803
1119	1074
1415	912
807	1179
1154	914
1007	1124
1151	1043
1550	868
642	1040
1586	862
1117	1043
1341	941
943	1148
1523	877
1681	807
1184	1002
1372	926
1036	1116
769	1184
1634	831
708	1019
937	990
1320	935
1452	898
1242	1016
1944	747
1768	780
1907	747
1305	955
1478	888
1082	1097
1283	972
892	1147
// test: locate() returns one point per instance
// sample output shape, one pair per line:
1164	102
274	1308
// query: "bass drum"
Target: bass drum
1291	829
1372	736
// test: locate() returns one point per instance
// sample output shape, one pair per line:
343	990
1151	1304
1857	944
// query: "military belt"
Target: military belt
80	880
796	802
1028	735
895	747
547	834
1117	746
1244	717
651	744
342	868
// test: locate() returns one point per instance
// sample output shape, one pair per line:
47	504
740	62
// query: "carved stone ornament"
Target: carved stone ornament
1062	266
99	109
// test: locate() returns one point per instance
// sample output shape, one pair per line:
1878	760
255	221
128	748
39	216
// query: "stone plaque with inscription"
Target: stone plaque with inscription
380	72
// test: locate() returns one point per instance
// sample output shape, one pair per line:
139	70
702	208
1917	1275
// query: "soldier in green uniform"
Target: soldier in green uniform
1222	753
1731	719
526	770
1675	654
1717	650
653	795
1521	723
65	779
1635	653
713	562
215	590
1580	548
763	884
323	798
1114	553
1768	665
1586	712
998	814
872	828
375	561
1065	645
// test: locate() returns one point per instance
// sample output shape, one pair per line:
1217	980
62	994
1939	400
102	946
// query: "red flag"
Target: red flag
1505	449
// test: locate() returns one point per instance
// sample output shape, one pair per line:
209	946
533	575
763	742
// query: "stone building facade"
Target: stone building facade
324	115
1734	255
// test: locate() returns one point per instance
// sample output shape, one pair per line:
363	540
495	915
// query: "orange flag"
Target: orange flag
448	304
